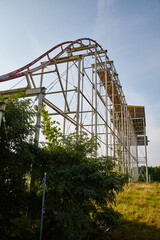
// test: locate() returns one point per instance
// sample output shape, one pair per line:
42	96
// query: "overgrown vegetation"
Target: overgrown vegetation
140	206
80	189
153	172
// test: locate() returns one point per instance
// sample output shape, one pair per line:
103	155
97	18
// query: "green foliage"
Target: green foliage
80	188
19	117
154	173
50	129
20	229
15	160
120	161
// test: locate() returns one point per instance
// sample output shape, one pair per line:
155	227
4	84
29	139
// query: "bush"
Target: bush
80	190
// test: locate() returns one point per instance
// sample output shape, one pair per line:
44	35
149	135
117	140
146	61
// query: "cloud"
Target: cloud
105	3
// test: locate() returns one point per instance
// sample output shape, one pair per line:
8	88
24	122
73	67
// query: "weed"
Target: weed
140	206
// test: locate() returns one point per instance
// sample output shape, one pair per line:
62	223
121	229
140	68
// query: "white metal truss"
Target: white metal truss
80	86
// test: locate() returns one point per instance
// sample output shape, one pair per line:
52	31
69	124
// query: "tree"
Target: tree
16	135
50	129
153	172
80	188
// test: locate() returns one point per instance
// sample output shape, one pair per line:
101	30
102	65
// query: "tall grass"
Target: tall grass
139	205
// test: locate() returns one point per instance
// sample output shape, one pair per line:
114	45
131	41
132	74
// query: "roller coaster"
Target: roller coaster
80	86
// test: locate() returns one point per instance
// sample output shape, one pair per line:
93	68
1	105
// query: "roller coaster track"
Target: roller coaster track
24	70
85	93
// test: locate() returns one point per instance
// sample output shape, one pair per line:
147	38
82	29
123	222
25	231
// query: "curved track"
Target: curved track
81	89
64	47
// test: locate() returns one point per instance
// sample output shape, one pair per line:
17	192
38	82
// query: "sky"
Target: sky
129	30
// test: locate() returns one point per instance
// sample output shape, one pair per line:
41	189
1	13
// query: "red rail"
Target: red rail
25	69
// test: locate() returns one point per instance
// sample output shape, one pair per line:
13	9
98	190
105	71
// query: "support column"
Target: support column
82	85
137	159
37	133
78	95
2	110
113	114
128	148
41	79
65	107
122	137
96	91
39	111
106	101
111	130
92	114
145	145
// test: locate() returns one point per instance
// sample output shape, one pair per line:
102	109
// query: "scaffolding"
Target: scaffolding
81	88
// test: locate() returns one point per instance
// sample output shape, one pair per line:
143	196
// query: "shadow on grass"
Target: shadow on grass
132	231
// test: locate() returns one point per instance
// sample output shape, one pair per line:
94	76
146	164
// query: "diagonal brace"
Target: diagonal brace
56	68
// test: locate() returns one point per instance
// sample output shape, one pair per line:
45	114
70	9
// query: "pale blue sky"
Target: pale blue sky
129	30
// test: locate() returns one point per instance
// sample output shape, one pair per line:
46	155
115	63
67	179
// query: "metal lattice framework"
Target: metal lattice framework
82	90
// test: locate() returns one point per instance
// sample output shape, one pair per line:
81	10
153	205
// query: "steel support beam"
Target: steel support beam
78	95
92	99
2	111
38	117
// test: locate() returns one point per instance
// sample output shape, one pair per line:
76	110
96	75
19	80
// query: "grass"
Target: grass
139	205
